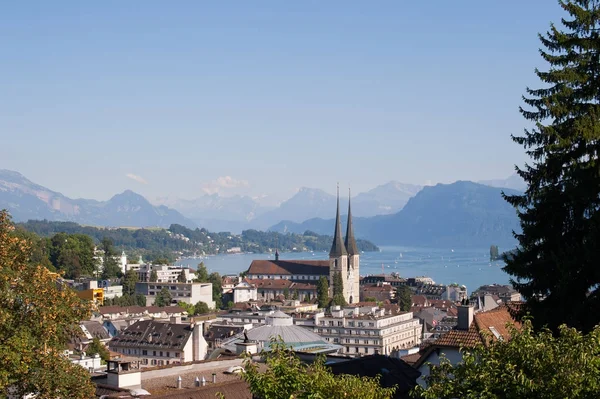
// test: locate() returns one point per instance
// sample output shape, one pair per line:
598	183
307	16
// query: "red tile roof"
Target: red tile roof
287	267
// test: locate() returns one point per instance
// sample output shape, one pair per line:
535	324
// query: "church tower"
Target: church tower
338	256
352	283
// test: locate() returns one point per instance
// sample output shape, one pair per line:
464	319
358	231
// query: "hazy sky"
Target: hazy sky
262	97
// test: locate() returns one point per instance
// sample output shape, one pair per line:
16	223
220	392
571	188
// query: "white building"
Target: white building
244	292
367	330
90	363
164	273
191	293
455	293
160	343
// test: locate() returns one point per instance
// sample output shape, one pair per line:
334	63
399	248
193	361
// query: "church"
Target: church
344	258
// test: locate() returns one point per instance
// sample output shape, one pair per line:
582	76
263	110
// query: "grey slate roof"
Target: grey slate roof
337	247
150	334
350	242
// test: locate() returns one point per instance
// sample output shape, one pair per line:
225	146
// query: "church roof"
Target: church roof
337	247
350	242
286	267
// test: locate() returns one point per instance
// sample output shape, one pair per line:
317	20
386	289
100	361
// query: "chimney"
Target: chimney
465	315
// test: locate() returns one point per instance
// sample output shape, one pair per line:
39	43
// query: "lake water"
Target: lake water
470	267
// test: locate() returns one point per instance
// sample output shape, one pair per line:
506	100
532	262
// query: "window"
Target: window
161	353
153	353
347	349
331	322
371	324
168	354
145	352
176	354
366	350
356	341
340	323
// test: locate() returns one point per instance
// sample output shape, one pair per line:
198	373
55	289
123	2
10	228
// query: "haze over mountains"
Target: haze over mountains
458	214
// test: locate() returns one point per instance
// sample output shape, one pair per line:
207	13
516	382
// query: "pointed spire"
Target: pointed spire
350	242
337	247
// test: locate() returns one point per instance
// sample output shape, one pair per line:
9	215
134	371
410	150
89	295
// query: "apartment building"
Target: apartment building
160	343
191	293
366	330
164	273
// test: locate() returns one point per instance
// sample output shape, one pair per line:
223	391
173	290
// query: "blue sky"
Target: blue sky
263	97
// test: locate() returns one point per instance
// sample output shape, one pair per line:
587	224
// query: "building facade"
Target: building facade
366	330
191	293
244	292
161	343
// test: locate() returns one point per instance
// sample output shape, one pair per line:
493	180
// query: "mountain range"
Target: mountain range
237	213
26	200
458	214
461	214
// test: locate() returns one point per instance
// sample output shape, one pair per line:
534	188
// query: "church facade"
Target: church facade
344	259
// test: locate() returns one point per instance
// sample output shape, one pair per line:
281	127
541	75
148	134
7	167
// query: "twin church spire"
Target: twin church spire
340	246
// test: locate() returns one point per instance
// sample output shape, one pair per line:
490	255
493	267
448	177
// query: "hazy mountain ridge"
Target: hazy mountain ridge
26	200
461	214
514	182
238	213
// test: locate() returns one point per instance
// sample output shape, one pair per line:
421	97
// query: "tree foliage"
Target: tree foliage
201	273
555	266
217	287
201	308
181	277
97	347
110	266
126	300
323	292
287	377
404	297
530	365
129	280
163	298
37	316
338	290
153	276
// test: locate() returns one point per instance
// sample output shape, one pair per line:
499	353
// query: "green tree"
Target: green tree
140	300
286	293
163	298
230	305
153	276
131	277
555	266
98	347
323	292
285	376
37	317
217	288
404	297
529	365
201	273
370	299
181	277
295	295
161	261
110	267
201	308
338	290
188	307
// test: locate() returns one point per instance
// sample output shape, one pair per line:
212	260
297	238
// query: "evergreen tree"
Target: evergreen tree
338	290
181	278
217	287
404	297
555	266
110	267
323	292
201	273
131	277
98	347
153	276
